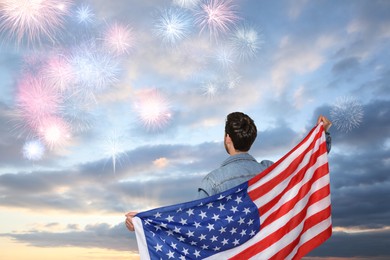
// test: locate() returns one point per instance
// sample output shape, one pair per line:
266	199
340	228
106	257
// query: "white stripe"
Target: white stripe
294	190
287	161
310	234
141	240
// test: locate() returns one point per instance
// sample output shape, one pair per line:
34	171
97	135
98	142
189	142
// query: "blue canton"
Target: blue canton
201	228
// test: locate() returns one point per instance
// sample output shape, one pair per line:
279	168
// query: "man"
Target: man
240	166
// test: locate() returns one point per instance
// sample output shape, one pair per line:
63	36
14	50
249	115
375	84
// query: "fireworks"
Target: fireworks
30	20
58	73
54	131
346	114
95	70
153	109
36	101
33	150
114	148
172	26
84	15
246	42
119	39
186	3
216	16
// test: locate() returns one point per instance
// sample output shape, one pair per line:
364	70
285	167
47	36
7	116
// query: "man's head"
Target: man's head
241	131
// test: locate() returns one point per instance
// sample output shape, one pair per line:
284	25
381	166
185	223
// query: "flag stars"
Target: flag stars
238	200
183	221
170	254
233	231
215	217
222	230
197	224
234	209
221	207
176	230
241	221
173	245
236	242
190	212
203	214
217	248
214	238
205	247
250	222
210	226
157	215
158	247
229	219
169	218
190	233
243	232
209	205
185	251
225	241
197	253
202	237
246	211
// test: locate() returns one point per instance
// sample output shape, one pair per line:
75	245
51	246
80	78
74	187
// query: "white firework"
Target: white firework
346	114
33	150
246	42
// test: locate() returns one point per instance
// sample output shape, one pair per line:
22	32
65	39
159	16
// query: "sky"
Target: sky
114	106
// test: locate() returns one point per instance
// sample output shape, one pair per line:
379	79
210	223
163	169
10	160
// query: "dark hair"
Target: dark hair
242	130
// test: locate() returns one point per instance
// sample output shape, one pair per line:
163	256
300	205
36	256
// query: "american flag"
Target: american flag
282	213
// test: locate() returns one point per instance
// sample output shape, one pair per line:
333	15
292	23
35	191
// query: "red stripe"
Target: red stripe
303	191
313	243
309	223
266	187
282	231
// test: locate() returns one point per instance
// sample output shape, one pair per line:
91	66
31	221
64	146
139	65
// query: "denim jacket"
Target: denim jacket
235	170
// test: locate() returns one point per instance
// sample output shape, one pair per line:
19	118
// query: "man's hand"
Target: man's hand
327	123
129	220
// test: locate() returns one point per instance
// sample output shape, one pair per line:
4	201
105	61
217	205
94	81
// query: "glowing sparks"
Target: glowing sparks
119	39
58	73
153	109
55	132
216	16
33	150
246	42
30	20
114	148
346	114
36	101
186	3
172	26
84	15
95	70
210	89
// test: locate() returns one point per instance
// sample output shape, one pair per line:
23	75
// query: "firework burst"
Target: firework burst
33	150
95	70
30	20
84	15
346	114
153	109
172	26
119	39
114	148
55	132
58	73
246	42
186	3
216	16
36	101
